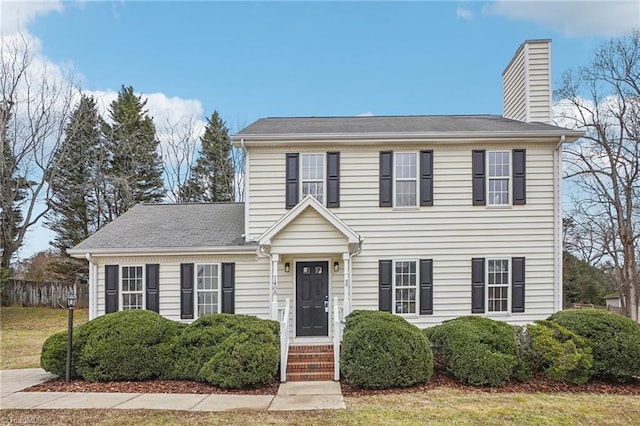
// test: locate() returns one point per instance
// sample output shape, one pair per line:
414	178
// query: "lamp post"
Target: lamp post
71	301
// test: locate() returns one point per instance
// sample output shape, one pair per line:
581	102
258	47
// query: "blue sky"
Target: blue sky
255	59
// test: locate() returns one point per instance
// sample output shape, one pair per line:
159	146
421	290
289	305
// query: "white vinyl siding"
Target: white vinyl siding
498	272
132	287
207	289
405	178
312	176
498	182
405	286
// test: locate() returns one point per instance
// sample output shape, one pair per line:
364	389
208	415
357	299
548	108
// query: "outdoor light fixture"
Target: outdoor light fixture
71	302
336	266
287	267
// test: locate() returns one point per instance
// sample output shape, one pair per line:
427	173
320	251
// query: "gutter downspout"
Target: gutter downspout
93	287
557	200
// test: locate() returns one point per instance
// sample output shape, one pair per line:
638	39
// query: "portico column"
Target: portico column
346	261
275	258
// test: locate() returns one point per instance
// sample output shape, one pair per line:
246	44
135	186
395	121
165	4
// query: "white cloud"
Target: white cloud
464	13
365	114
604	18
16	15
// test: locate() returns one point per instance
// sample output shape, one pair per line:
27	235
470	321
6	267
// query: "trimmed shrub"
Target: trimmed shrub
53	357
200	341
614	340
381	351
557	351
479	351
242	360
127	345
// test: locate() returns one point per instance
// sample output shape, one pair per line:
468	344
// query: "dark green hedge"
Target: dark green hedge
479	351
614	340
557	351
381	350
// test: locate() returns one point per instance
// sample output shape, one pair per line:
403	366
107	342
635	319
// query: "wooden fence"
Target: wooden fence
28	293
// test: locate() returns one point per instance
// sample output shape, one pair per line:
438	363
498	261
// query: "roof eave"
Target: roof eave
421	137
81	253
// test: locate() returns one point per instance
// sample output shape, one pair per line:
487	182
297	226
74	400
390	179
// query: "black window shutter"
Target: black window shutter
426	286
477	285
292	187
228	287
111	288
426	178
386	179
517	284
385	271
479	188
153	287
186	290
333	179
519	176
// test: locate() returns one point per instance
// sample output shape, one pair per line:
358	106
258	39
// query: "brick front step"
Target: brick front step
310	362
309	376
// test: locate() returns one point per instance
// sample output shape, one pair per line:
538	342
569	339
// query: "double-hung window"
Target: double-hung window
405	287
313	176
498	285
498	183
406	179
132	287
207	289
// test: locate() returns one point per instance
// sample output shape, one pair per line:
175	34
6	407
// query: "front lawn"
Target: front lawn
24	330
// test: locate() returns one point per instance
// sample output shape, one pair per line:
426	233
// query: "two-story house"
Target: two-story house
427	217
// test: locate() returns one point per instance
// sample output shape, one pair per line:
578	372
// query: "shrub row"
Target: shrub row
230	351
381	350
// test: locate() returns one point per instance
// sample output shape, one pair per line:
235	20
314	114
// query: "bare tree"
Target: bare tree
239	158
178	145
34	108
603	99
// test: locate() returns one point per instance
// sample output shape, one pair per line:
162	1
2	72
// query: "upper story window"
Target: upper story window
207	289
132	287
498	285
498	178
313	176
406	179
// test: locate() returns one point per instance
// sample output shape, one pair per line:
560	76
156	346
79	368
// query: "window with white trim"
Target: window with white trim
313	176
132	284
207	289
406	179
498	178
498	285
405	286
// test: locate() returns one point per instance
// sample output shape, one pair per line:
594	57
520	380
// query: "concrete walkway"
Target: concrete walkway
291	396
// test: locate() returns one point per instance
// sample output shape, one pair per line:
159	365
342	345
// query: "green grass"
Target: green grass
443	406
24	330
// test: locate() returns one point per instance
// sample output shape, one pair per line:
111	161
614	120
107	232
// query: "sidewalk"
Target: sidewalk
291	396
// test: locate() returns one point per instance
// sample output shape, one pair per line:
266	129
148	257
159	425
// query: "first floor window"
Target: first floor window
405	286
207	289
406	179
313	176
498	190
498	285
132	287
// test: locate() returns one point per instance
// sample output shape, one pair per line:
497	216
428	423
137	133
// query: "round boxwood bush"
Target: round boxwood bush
479	351
244	359
557	351
614	340
381	351
127	345
200	340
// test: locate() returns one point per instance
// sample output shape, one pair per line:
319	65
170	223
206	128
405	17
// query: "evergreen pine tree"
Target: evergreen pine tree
74	211
213	176
135	168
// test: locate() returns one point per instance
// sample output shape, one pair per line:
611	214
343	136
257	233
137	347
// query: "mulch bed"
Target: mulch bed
538	383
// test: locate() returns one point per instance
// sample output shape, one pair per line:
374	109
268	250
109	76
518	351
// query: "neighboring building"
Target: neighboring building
428	217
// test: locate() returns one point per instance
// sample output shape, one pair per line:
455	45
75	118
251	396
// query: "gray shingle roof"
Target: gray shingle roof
392	124
167	226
